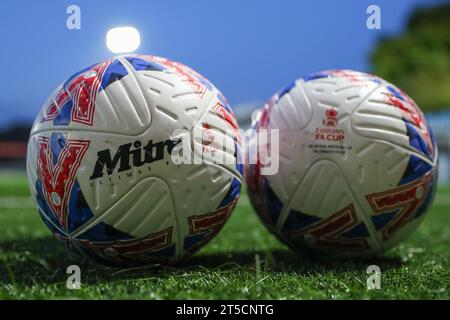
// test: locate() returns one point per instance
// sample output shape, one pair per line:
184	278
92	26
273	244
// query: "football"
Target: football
357	165
108	168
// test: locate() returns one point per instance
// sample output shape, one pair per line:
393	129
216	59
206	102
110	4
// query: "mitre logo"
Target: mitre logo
330	118
130	154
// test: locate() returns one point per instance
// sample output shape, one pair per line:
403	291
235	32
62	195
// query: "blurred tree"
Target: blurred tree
418	61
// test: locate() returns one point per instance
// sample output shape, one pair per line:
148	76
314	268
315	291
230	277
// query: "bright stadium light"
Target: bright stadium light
123	39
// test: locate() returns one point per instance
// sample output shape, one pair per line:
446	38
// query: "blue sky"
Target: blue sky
248	49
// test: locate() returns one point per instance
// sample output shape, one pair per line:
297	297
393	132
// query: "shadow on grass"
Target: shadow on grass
45	260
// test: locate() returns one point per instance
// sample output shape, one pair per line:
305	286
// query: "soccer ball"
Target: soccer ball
357	165
107	162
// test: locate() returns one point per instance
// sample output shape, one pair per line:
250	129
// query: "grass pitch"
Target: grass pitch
243	262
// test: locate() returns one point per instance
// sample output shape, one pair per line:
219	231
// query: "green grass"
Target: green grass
33	264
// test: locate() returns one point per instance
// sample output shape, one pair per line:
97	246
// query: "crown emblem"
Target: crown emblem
331	113
330	118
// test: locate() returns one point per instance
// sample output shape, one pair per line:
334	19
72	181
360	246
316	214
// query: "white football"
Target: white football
357	165
101	165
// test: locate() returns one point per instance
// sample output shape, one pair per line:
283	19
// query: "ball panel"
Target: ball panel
135	212
285	115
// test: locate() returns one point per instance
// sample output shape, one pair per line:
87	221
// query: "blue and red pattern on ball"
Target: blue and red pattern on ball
140	64
211	223
111	250
421	140
56	185
77	213
76	99
214	221
348	74
351	235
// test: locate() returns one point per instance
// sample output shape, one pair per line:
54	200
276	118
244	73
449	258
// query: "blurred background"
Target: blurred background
248	49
